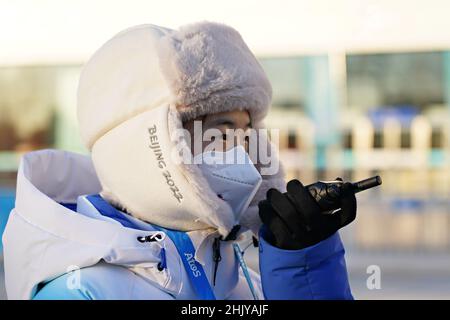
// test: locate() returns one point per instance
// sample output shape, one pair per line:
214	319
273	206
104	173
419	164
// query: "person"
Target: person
152	213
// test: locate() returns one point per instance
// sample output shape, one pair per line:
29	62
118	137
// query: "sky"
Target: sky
69	31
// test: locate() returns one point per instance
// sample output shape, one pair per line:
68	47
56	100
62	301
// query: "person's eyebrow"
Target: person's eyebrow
222	122
227	122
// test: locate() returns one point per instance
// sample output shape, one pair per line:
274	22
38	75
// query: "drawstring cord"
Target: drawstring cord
240	256
216	257
157	236
254	242
163	263
216	249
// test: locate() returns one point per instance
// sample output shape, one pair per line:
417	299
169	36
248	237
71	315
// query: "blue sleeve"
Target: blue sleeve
57	289
313	273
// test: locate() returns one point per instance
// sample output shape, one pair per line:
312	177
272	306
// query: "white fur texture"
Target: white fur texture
210	69
202	68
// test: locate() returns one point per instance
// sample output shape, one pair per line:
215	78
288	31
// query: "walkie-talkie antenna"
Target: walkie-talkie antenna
366	184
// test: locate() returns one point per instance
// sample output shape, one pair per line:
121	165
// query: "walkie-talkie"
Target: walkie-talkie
327	193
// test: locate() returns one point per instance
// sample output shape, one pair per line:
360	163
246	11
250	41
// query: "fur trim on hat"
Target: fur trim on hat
129	84
210	69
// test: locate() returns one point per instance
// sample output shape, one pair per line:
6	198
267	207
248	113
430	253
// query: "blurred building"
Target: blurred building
356	115
360	88
348	115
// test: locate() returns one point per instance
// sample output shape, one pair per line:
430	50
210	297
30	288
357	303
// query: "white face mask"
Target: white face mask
232	176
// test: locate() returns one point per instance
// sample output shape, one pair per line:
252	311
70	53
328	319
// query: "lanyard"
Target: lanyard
184	247
239	255
180	239
194	269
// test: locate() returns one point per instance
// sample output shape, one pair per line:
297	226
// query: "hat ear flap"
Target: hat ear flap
273	177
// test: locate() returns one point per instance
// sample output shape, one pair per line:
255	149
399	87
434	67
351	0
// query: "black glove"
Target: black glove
295	221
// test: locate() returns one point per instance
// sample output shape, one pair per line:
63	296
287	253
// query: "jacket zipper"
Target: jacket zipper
216	257
216	249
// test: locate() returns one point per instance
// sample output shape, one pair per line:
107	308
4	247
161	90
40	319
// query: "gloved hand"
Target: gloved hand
295	220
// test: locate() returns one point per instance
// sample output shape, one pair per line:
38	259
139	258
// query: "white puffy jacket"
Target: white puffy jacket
44	239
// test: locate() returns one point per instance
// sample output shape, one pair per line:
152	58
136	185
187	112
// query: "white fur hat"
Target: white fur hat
149	78
210	69
202	68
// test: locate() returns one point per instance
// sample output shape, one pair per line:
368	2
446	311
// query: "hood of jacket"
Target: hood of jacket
44	239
